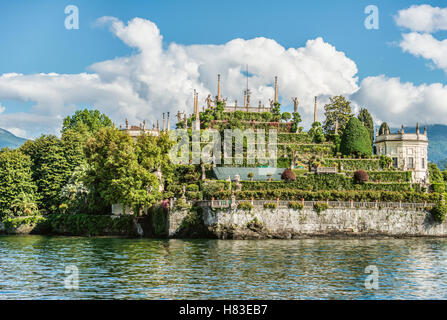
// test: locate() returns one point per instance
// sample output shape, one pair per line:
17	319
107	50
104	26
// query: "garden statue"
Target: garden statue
183	192
238	182
208	101
203	172
295	104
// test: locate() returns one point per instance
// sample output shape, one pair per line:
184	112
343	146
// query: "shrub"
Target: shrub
438	187
192	187
270	205
245	205
360	176
355	139
288	175
320	206
439	211
295	205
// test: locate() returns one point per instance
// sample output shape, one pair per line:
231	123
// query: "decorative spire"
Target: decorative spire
315	110
425	130
417	128
144	124
158	126
127	124
168	123
402	131
218	87
164	126
195	103
276	89
197	106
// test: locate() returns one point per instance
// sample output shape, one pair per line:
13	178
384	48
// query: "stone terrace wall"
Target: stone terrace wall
288	223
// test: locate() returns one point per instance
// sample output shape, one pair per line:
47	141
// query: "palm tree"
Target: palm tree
24	205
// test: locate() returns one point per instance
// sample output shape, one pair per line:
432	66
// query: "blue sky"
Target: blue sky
34	40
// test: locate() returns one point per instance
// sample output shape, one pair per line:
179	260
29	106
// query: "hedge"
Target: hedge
354	164
360	195
314	182
89	225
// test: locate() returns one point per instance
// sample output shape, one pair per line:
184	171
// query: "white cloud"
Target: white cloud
2	108
156	80
427	47
390	100
422	18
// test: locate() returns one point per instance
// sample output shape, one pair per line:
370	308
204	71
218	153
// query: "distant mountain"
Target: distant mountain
8	140
437	146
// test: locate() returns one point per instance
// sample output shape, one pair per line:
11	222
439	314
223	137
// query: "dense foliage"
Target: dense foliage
367	121
355	139
16	184
337	110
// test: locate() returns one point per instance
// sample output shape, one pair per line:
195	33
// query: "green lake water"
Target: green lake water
34	267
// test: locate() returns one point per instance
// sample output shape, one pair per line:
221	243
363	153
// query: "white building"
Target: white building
407	150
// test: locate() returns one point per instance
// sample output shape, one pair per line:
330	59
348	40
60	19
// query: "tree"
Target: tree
276	111
367	120
286	116
24	205
339	109
93	119
316	132
295	121
435	174
384	128
53	161
355	139
115	172
50	169
15	178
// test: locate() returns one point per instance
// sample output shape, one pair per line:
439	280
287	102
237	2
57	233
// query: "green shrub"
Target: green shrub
295	205
270	205
439	211
245	205
320	206
89	225
355	139
192	187
11	223
438	187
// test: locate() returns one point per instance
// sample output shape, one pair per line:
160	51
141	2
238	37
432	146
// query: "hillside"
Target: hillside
7	139
437	148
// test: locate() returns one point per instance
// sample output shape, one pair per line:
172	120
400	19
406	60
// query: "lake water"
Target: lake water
33	267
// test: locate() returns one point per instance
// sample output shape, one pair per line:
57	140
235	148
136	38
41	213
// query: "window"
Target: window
411	163
423	163
393	150
410	151
394	162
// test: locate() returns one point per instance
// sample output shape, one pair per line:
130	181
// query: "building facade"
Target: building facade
407	150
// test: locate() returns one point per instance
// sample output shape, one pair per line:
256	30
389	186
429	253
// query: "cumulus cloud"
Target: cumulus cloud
158	79
426	46
422	18
390	100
